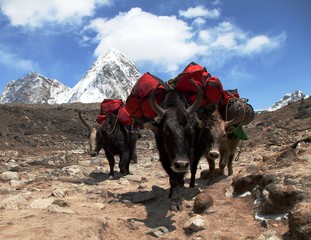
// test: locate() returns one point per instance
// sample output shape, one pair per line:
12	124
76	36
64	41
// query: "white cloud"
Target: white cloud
142	36
167	42
262	43
35	13
200	11
12	61
227	41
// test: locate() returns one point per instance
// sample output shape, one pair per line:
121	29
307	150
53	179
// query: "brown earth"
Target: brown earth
51	189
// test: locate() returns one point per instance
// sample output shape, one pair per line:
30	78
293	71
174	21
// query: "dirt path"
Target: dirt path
95	211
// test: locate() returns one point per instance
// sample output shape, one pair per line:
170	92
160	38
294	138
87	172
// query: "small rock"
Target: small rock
194	224
8	175
59	193
56	208
60	203
124	181
18	185
142	186
13	202
157	232
229	192
41	203
133	178
202	202
13	166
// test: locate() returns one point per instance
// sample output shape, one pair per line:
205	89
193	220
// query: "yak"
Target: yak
215	138
174	130
115	139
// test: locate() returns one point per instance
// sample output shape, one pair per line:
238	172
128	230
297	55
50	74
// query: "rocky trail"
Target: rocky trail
51	189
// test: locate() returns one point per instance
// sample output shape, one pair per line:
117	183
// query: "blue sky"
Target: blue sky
260	47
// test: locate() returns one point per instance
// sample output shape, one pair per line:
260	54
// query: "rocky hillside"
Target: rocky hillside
51	189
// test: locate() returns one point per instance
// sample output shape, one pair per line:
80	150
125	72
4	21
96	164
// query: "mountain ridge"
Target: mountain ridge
33	88
112	75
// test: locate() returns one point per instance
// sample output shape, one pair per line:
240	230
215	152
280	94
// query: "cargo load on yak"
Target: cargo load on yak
137	103
232	107
115	107
211	86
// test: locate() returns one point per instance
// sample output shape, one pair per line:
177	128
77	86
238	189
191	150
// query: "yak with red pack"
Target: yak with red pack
112	132
221	116
174	129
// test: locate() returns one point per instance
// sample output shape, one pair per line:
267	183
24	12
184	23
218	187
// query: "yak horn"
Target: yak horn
155	107
106	122
198	101
84	121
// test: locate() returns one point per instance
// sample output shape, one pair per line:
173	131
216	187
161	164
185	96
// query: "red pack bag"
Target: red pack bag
110	106
115	107
137	103
124	117
211	86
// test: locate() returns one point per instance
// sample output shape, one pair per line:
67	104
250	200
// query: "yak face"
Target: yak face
175	133
96	136
96	140
219	131
174	129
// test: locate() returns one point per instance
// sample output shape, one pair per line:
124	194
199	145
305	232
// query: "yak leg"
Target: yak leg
124	162
176	183
111	161
233	146
211	164
133	155
230	160
199	149
223	161
194	167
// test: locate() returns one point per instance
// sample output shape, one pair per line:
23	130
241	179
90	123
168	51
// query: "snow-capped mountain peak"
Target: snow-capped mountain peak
287	99
33	88
112	76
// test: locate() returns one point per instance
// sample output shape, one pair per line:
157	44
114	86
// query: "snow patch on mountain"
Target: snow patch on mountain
112	76
33	88
287	99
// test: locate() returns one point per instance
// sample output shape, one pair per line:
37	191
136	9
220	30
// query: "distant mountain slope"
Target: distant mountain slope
112	76
288	98
33	88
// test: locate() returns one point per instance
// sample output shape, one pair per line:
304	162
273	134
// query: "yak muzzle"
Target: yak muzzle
180	166
213	154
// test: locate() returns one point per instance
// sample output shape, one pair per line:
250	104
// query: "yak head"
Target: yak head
97	133
219	130
174	129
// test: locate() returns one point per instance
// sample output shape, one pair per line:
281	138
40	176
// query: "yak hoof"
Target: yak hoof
176	206
111	177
